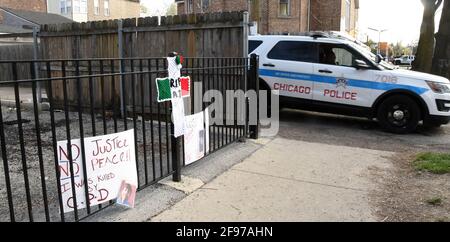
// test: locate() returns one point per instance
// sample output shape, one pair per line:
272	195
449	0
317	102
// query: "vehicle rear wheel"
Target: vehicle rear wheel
399	114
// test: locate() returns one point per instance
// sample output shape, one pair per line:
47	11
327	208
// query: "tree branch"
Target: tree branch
437	5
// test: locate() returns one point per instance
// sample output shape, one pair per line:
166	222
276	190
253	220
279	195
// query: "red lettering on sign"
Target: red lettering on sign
103	193
340	94
65	187
292	88
63	156
106	146
115	159
64	169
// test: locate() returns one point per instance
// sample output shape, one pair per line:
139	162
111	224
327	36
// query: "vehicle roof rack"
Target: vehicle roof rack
317	35
313	34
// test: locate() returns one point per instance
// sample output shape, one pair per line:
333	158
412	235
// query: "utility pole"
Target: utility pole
379	37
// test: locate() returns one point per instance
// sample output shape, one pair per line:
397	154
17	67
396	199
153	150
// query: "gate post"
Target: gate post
121	66
36	64
254	85
246	77
176	157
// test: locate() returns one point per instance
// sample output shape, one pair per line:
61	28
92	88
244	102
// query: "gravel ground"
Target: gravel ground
162	160
15	165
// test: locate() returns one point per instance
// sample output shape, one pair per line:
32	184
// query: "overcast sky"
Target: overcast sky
157	7
402	18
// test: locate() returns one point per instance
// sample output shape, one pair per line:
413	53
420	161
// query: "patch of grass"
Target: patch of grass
437	163
435	201
443	220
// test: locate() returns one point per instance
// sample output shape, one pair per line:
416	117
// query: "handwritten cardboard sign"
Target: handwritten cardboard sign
110	160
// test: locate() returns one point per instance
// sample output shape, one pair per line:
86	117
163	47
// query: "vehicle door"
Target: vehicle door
288	68
338	80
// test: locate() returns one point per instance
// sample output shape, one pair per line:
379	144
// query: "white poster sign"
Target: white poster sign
173	68
110	161
207	129
179	88
194	138
178	117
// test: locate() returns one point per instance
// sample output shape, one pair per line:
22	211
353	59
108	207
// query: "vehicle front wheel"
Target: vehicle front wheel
399	114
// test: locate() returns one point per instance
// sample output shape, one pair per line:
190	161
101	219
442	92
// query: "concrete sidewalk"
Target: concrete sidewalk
288	180
25	93
8	97
155	199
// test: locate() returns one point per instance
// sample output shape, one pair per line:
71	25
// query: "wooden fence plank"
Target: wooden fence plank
201	35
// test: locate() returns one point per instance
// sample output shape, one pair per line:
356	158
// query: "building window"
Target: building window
348	11
65	6
205	5
190	6
96	7
69	6
285	7
106	6
83	6
76	6
62	5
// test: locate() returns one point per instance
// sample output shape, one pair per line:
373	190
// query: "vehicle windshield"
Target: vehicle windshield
372	57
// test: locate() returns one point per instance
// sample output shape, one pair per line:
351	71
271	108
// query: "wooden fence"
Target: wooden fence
200	35
15	51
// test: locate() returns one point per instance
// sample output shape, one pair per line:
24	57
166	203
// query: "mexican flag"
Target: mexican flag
169	88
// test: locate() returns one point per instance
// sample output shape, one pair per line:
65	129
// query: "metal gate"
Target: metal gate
82	99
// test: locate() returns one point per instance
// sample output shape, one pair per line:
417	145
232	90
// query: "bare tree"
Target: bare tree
425	50
441	57
172	10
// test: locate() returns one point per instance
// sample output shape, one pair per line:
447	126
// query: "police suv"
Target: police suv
318	72
404	60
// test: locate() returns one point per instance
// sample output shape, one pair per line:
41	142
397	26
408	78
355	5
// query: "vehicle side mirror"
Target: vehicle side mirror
360	64
378	59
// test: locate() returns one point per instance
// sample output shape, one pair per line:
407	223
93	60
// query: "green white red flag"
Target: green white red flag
169	88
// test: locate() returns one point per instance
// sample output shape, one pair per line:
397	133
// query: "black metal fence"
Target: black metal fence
82	99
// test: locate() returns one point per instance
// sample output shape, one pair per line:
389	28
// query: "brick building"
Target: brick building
94	10
30	5
285	16
335	15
